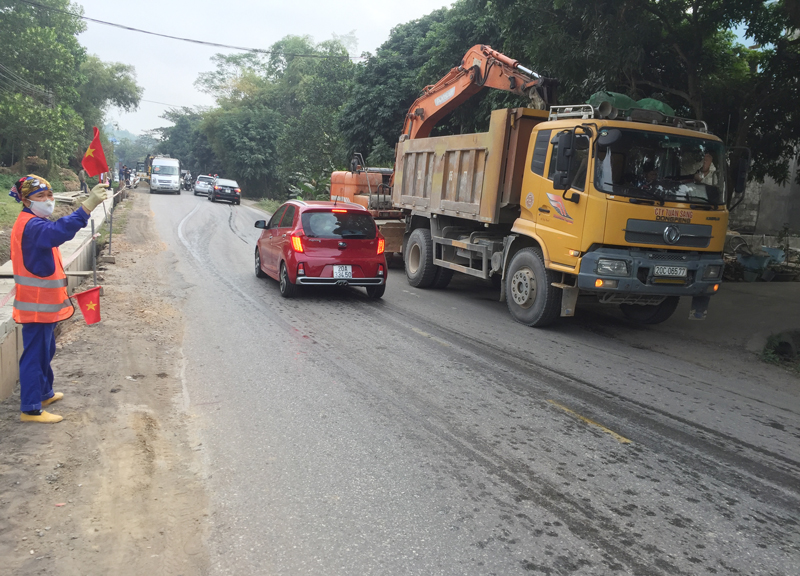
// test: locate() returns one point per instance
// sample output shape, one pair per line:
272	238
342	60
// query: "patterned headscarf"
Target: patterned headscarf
27	185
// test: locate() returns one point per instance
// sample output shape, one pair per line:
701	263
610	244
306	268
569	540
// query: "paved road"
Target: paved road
428	433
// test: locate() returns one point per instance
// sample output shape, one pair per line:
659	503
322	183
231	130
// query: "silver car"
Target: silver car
203	185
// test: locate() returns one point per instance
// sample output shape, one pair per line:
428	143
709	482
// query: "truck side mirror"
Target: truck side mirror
566	150
564	155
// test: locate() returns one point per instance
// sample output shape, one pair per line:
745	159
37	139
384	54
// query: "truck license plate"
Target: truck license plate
671	271
342	271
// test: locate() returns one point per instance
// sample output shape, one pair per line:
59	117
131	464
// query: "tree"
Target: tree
385	87
101	85
680	51
186	140
51	93
130	151
276	121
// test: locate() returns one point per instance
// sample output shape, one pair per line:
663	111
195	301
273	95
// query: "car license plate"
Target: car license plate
671	271
342	271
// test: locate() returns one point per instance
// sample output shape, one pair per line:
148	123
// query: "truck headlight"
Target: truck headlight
606	267
712	272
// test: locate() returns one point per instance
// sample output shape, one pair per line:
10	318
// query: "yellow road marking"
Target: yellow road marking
617	437
434	338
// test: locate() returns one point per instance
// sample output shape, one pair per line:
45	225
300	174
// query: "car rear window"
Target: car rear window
206	179
326	224
228	183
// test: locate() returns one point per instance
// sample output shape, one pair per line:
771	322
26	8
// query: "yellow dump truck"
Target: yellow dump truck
627	209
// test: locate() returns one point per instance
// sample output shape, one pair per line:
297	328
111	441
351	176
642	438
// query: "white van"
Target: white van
165	175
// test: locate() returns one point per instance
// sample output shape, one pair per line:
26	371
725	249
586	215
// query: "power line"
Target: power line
19	85
162	103
192	40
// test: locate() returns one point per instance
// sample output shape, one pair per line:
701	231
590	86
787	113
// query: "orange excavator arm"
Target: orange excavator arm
480	68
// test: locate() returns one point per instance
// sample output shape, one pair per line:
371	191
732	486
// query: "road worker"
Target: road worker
41	299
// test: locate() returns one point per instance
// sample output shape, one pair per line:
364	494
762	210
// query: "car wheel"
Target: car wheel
195	192
288	290
376	291
151	190
420	270
650	314
530	295
259	272
211	197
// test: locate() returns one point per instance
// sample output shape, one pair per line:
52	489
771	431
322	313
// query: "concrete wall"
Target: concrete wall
11	332
769	207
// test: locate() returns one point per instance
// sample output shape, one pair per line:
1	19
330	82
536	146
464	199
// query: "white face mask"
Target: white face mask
43	209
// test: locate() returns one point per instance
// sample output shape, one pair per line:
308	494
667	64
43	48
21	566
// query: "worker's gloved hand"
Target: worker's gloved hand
96	196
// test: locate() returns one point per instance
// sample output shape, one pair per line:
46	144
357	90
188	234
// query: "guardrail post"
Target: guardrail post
94	256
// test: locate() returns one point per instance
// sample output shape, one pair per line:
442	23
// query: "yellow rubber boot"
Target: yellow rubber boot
44	417
56	397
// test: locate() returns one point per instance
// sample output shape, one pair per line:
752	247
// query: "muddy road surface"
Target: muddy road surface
425	433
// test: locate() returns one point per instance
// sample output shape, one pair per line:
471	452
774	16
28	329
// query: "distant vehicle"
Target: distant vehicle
186	180
141	173
165	175
223	189
321	243
203	185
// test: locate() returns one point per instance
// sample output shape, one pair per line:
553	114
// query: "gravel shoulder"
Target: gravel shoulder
116	488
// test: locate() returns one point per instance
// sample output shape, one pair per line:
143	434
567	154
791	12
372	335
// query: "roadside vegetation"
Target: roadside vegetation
120	216
51	91
269	205
783	350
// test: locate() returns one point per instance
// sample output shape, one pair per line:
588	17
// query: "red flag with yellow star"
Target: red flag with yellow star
89	303
94	161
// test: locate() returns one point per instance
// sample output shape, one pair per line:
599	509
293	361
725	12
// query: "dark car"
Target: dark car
321	244
224	189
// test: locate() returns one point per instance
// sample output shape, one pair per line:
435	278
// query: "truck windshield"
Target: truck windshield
662	168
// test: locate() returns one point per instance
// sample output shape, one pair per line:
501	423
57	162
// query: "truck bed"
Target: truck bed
471	176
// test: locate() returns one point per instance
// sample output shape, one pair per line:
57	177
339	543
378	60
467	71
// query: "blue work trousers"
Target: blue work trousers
35	374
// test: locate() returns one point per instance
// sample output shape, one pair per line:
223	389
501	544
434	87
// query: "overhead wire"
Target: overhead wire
191	40
13	80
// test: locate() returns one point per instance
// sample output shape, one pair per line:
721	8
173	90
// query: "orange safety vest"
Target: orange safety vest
41	300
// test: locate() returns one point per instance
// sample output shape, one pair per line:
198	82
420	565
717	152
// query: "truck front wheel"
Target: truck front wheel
531	297
420	269
650	314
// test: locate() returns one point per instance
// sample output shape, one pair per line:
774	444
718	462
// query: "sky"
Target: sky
167	69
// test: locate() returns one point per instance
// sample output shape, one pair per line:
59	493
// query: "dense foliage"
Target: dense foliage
274	128
51	91
286	121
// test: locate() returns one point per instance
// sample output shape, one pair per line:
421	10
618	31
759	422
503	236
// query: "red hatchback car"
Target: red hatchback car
323	244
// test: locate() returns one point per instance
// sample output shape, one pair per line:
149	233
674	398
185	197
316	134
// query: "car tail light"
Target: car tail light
381	245
297	244
301	269
339	211
216	187
380	269
238	190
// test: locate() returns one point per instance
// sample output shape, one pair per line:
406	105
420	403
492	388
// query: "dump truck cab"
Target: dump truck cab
634	212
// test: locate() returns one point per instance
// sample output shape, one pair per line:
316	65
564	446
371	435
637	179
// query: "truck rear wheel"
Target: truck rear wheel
650	314
420	270
530	295
442	277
